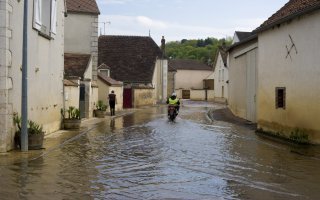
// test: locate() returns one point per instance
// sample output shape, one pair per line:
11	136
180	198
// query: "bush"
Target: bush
101	106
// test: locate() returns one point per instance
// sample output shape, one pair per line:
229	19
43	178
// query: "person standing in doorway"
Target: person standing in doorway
112	102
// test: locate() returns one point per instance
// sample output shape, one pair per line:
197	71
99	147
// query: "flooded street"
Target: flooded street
143	156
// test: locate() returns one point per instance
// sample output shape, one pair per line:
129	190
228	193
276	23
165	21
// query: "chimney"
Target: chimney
163	46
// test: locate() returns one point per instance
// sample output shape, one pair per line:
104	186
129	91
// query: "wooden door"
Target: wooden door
186	94
127	98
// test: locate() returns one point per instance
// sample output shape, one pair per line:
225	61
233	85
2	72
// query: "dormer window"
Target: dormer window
105	72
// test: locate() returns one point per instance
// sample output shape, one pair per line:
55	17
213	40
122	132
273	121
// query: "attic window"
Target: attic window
280	97
105	72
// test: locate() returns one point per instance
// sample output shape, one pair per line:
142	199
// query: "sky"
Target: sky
183	19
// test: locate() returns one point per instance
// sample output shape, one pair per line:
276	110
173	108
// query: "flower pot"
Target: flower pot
100	113
71	123
35	141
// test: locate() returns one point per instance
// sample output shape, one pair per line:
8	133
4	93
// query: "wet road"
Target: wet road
143	156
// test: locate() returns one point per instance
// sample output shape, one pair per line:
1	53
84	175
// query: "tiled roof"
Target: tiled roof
109	81
75	65
83	6
187	64
290	10
223	52
70	83
131	58
243	35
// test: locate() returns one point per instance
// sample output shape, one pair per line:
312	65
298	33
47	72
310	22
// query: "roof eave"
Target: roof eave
249	39
285	19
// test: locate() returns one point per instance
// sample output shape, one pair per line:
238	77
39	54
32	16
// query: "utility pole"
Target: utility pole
104	26
24	98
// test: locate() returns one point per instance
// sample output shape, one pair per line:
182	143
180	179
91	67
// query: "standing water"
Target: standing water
144	156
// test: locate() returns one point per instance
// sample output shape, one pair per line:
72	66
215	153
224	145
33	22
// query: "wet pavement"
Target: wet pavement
144	156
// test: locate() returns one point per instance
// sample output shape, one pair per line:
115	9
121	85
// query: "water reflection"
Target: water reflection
143	156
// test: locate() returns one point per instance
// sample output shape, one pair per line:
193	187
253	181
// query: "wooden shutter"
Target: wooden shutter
53	29
37	11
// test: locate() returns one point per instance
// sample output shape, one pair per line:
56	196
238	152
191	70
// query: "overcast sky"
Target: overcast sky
184	19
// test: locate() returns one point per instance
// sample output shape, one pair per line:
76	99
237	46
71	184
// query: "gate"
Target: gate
127	98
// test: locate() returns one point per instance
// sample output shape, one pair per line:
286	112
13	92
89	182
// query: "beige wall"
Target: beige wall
243	81
188	79
45	71
143	97
78	33
298	74
105	89
71	96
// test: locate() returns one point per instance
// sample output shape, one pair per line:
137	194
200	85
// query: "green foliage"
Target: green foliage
101	106
203	50
33	127
299	136
73	113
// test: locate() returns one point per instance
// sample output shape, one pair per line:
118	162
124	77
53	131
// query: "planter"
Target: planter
100	113
71	123
35	141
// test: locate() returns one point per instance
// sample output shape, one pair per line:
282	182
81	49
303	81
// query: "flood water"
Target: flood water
144	156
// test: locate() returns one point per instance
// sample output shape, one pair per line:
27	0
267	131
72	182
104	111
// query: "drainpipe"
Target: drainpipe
24	99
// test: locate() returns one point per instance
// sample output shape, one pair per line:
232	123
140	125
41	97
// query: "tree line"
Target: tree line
196	49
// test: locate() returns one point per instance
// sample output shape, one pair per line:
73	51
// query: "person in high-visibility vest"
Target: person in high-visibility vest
174	100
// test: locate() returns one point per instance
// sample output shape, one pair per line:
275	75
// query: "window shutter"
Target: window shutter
53	29
37	10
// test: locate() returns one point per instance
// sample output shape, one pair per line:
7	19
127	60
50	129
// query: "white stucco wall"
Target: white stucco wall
241	87
45	71
188	79
221	76
298	74
71	96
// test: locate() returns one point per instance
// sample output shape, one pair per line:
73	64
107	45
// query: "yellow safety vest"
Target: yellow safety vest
173	101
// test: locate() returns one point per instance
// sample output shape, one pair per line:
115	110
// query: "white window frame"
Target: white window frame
38	18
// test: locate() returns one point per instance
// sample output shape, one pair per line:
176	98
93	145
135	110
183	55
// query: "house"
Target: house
288	70
242	70
139	63
81	41
45	65
106	84
221	75
189	78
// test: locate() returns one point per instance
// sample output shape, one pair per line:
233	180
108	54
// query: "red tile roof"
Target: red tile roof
290	10
187	64
131	59
75	65
83	6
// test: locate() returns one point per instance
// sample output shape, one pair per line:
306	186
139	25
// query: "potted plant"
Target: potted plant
72	121
100	112
35	134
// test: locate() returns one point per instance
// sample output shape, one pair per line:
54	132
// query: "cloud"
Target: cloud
105	2
150	23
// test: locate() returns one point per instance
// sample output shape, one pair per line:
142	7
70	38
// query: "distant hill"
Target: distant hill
197	49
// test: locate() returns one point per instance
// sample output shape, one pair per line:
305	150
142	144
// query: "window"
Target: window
280	97
45	17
